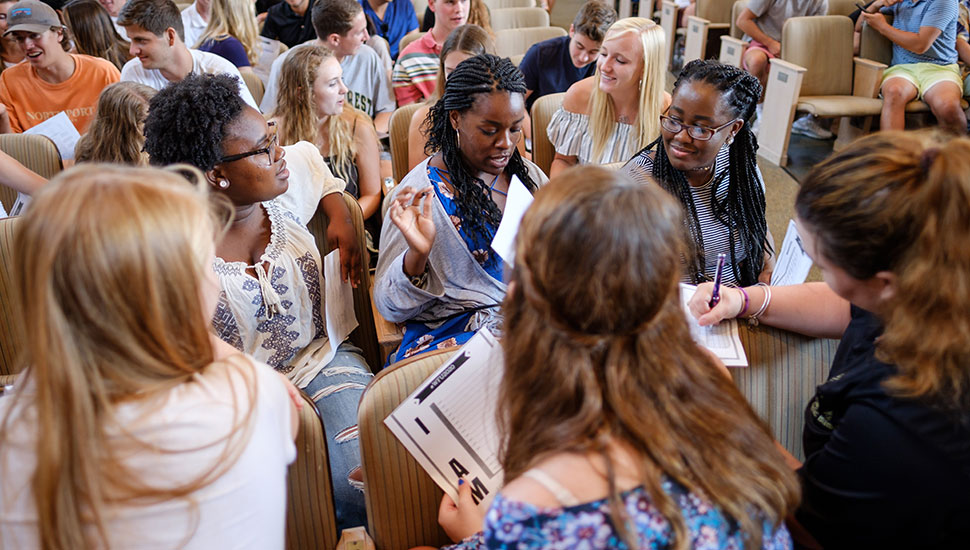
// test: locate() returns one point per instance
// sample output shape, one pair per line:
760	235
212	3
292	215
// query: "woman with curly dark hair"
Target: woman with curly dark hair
268	265
436	271
706	156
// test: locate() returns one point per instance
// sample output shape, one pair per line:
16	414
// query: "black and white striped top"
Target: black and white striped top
716	235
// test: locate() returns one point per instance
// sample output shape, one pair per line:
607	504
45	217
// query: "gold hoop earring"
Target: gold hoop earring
458	138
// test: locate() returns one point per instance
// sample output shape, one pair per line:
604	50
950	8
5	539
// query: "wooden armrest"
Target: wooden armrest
389	335
732	50
867	77
786	65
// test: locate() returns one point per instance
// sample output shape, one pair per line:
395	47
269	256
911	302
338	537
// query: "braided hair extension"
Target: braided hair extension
743	208
481	74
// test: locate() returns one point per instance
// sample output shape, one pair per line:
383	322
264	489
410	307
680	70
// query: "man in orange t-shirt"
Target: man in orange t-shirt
52	80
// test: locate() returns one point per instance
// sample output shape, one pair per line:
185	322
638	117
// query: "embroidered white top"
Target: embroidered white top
279	316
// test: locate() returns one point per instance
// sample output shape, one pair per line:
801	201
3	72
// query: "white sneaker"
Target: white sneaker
808	126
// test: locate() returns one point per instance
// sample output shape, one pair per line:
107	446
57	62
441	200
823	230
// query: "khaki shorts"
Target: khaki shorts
925	75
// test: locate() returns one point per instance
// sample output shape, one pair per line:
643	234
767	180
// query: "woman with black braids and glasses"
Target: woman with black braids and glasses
437	272
706	156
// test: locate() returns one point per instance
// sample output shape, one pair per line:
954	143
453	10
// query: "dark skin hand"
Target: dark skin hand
262	177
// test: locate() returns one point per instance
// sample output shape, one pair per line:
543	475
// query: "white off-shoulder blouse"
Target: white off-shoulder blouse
570	135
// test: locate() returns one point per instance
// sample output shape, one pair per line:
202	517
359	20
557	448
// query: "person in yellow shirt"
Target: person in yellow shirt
52	80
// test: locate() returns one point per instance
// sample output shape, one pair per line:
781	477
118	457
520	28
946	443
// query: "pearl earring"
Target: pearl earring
223	184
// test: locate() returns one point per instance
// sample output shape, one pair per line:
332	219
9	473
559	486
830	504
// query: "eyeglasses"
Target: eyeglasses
269	150
700	133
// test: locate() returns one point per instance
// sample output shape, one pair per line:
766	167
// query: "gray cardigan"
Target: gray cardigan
456	281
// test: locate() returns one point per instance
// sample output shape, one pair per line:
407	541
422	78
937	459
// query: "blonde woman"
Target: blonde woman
115	134
132	425
464	42
312	107
232	33
613	114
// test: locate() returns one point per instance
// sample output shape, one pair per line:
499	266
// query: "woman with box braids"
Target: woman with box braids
709	162
437	271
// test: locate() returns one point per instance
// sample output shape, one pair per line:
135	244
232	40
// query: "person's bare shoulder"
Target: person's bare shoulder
577	96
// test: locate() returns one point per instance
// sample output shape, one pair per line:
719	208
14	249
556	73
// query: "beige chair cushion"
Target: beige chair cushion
517	18
873	45
398	130
10	318
736	10
715	11
542	110
823	46
365	335
35	152
500	4
830	106
402	500
843	7
511	42
255	85
310	520
408	38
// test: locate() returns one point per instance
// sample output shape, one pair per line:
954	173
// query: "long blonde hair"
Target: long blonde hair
297	118
900	202
110	266
235	18
115	134
617	344
602	112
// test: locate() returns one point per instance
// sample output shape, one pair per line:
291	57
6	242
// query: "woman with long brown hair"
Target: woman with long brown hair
887	219
618	430
116	133
132	424
94	33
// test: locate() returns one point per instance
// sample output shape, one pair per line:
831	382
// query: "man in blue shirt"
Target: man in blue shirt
392	18
924	64
553	65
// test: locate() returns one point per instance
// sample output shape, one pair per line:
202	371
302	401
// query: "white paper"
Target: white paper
793	263
269	50
721	339
339	303
61	131
448	423
20	204
516	203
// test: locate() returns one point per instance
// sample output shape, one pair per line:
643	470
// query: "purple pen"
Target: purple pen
716	295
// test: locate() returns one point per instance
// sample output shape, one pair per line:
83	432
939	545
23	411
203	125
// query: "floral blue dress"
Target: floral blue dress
510	524
419	337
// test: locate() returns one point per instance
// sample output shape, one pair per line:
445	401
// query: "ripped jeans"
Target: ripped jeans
336	391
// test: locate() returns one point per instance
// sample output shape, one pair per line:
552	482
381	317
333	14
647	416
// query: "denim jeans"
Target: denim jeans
336	391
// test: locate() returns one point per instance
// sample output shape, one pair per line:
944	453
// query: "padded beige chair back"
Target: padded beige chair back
784	370
842	7
310	520
10	319
500	4
35	152
398	130
823	46
542	110
255	85
517	59
419	7
518	18
715	11
402	501
873	45
408	38
736	10
365	335
511	42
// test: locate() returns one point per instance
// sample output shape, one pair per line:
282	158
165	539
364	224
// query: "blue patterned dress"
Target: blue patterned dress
511	524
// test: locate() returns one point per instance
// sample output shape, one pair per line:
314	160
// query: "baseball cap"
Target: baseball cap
31	16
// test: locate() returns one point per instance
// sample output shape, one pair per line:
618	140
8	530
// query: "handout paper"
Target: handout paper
516	204
448	423
269	50
61	131
793	263
339	295
721	339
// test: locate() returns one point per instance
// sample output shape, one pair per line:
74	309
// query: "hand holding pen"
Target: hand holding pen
716	296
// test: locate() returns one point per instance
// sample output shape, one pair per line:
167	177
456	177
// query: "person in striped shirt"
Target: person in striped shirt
416	71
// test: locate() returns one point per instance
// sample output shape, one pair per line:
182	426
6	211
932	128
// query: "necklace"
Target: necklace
492	188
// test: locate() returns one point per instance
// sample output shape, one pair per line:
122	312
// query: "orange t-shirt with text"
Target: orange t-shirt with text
30	100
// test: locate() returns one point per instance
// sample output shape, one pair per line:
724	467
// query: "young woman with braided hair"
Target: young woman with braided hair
887	436
706	156
436	271
618	431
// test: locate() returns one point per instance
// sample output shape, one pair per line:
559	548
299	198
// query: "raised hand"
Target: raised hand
415	222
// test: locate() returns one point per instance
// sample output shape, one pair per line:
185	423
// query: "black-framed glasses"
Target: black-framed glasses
268	150
700	133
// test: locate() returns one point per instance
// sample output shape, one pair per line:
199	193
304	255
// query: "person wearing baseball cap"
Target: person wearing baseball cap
52	80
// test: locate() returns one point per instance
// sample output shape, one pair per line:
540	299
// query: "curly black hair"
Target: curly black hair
476	75
187	120
743	207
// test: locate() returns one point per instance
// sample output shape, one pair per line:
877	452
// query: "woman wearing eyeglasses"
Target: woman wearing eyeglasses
706	156
271	305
